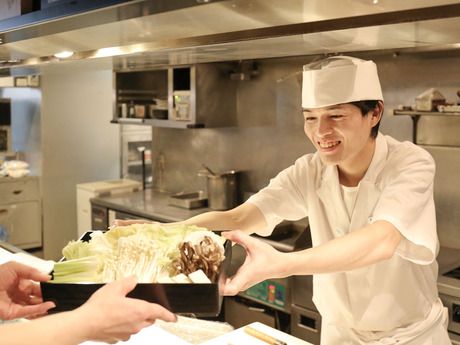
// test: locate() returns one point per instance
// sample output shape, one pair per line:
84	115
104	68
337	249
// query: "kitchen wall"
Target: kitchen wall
269	136
79	144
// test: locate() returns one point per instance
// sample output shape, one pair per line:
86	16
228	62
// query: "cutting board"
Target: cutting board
240	337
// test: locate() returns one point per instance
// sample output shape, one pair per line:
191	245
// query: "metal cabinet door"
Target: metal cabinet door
239	313
22	222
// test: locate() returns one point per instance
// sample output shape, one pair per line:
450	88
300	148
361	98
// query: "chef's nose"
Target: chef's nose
324	127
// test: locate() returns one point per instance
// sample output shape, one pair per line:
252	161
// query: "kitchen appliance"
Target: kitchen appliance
286	303
182	105
5	125
136	160
86	191
5	139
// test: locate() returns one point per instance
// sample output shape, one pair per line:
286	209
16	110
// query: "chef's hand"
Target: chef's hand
126	222
20	295
262	262
110	316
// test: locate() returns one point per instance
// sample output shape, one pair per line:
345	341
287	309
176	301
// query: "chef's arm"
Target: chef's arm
362	247
246	217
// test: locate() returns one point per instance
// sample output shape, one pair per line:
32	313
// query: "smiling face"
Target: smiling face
341	134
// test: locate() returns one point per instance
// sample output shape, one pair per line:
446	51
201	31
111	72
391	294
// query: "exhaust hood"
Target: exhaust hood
142	34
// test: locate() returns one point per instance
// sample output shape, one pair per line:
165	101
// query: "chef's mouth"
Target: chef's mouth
328	145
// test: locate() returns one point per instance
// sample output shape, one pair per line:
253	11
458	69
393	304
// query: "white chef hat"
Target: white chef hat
339	79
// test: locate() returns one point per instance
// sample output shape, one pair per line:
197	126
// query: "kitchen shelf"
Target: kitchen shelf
416	114
136	92
130	98
136	95
158	123
424	113
138	163
170	97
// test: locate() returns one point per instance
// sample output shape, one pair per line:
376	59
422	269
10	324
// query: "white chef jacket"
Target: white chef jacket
396	299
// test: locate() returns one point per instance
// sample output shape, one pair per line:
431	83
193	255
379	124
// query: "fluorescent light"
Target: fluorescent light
110	51
64	54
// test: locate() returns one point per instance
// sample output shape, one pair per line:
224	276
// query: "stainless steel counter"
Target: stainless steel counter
147	204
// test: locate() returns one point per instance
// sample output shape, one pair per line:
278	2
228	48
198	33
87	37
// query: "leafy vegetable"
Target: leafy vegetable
144	250
86	269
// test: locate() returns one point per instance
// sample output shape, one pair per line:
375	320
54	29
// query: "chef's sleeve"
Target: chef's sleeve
284	197
407	202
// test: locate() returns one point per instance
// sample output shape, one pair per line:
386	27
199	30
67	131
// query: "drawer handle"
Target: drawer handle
308	323
16	192
3	210
260	310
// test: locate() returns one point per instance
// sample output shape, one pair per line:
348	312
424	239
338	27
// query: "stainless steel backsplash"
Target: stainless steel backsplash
447	194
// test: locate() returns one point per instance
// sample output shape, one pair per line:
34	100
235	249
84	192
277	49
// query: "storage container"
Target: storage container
198	299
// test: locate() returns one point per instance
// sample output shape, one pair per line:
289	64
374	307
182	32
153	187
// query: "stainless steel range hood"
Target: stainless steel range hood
147	33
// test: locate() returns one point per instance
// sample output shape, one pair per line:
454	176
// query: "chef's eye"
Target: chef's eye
336	117
310	119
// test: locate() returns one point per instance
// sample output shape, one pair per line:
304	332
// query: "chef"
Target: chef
369	201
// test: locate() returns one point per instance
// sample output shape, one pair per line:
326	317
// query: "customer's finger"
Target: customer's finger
125	285
159	312
27	272
32	310
30	288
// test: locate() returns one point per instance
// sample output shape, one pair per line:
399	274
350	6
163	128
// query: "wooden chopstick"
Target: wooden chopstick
262	336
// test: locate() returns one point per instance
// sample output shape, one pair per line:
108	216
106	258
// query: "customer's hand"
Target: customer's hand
20	295
262	262
126	222
114	317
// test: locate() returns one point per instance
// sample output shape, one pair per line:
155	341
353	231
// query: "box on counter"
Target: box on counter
14	8
181	298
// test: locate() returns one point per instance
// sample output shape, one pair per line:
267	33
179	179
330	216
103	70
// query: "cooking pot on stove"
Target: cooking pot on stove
221	188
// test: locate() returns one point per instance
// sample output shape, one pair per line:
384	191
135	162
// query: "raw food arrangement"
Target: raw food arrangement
154	253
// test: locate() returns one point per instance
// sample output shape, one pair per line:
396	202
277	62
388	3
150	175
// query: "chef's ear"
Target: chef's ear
377	113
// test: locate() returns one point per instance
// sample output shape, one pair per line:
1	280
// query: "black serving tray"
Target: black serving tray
198	299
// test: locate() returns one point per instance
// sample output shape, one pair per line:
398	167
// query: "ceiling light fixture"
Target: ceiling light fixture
64	54
107	52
